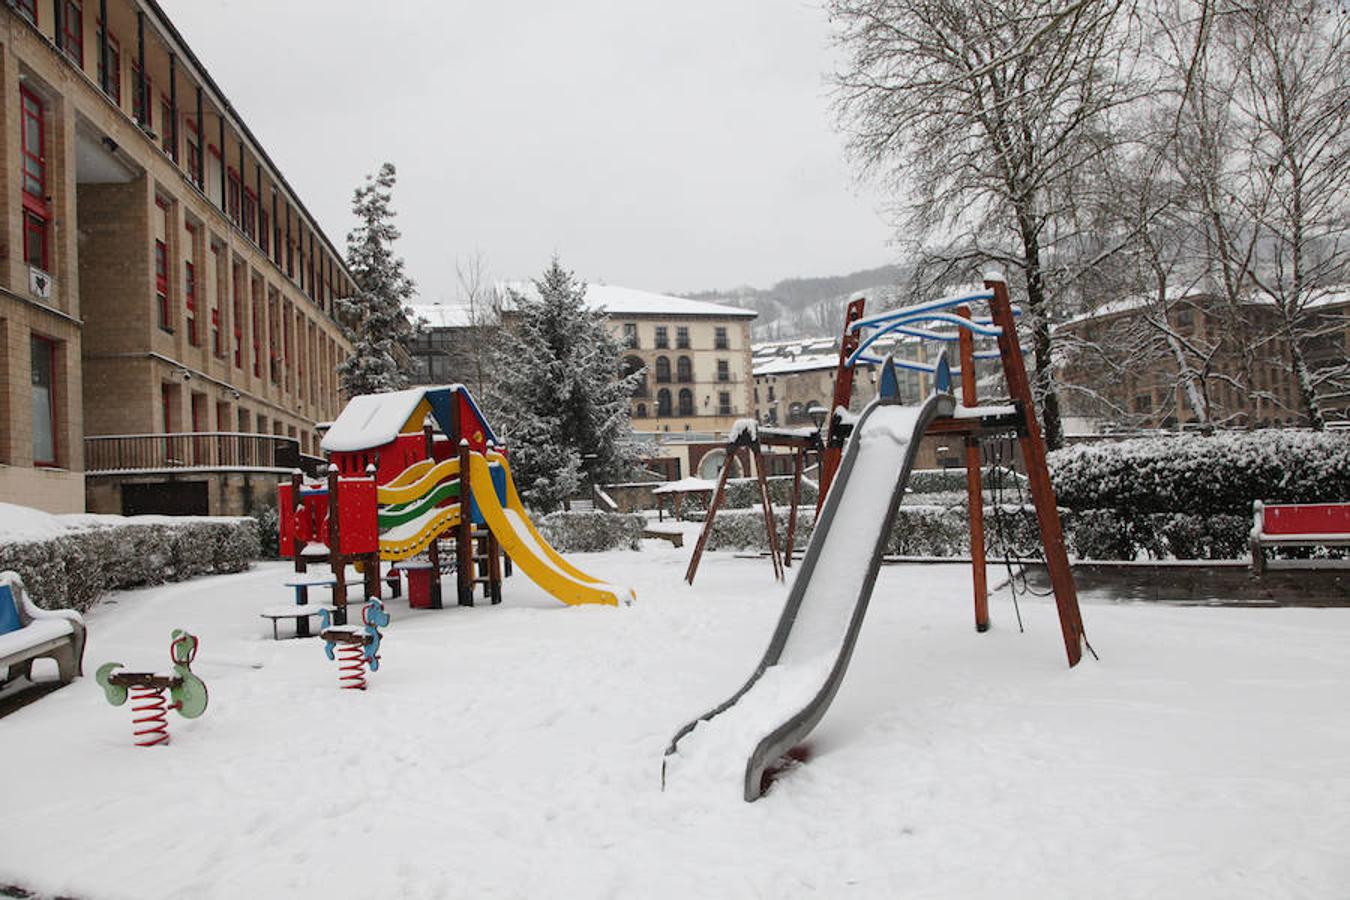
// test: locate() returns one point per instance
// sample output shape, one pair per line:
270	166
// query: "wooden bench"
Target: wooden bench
56	634
1297	525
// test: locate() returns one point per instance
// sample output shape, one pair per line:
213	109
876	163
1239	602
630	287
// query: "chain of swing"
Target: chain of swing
1008	498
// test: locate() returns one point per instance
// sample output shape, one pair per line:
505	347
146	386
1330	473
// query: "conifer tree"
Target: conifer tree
560	399
374	315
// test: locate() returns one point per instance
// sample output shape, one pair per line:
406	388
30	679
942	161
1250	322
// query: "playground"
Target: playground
514	751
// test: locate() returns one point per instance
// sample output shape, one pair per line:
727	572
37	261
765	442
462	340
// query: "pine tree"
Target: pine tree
560	400
374	315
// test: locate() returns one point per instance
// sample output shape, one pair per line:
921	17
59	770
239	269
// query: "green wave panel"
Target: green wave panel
395	515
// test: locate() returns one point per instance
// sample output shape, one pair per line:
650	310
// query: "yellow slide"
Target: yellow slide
527	548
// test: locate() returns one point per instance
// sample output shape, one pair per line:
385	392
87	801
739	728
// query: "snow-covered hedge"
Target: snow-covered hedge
588	531
1203	475
743	493
935	481
73	570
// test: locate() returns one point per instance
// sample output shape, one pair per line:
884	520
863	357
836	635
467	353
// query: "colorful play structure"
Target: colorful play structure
148	708
865	465
401	466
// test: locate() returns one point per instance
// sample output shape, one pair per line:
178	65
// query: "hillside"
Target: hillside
809	307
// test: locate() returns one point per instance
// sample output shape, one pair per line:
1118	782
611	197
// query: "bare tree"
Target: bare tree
989	116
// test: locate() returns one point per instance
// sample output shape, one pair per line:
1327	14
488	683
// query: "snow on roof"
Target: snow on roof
373	420
685	485
1334	296
788	365
622	301
442	315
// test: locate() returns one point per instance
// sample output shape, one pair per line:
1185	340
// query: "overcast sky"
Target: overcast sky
668	145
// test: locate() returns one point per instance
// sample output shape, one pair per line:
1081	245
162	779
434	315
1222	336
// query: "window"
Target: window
162	284
686	402
682	337
28	9
190	296
630	335
194	153
232	203
770	393
1143	403
140	93
684	370
724	403
663	402
723	370
114	75
72	31
257	334
662	337
632	365
44	401
33	152
166	392
166	123
264	228
35	240
662	370
720	338
237	318
249	212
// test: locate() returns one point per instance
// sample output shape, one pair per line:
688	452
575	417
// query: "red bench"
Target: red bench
1297	525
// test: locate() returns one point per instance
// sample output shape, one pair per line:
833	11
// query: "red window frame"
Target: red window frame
194	152
166	406
238	328
190	300
114	67
257	338
72	39
264	225
32	113
138	100
49	346
162	283
248	213
166	115
35	240
28	9
233	189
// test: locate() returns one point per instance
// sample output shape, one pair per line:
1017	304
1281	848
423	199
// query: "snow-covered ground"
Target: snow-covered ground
515	751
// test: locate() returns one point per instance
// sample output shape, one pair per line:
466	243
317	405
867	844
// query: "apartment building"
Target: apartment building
167	337
1122	373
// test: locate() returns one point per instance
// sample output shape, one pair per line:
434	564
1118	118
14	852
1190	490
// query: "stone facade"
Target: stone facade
158	272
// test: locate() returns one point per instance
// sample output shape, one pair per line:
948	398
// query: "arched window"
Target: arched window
663	402
684	370
632	364
662	370
641	411
686	402
796	413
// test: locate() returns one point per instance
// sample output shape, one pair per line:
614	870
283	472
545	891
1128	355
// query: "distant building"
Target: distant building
1116	384
167	339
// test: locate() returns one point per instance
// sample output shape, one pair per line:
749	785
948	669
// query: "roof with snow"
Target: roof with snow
373	420
622	301
442	315
789	365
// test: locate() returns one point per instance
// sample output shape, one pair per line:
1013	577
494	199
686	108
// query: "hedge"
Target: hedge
1203	475
72	571
585	531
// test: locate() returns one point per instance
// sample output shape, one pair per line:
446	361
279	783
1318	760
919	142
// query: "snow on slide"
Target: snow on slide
810	650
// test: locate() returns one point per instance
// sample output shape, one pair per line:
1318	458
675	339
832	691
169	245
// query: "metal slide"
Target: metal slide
810	650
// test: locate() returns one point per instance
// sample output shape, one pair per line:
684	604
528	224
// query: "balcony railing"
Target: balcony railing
195	450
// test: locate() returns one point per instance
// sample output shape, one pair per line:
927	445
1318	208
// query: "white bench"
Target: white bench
1297	525
51	634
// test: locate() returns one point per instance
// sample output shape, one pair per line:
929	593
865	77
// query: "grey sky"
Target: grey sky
668	145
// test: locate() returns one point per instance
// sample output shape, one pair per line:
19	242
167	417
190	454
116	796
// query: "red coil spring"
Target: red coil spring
148	716
352	667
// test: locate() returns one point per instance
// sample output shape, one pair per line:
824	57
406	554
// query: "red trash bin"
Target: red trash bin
419	585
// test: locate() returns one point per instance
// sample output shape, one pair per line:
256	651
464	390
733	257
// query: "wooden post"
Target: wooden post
494	562
974	493
434	548
796	499
335	560
833	439
712	512
464	533
766	501
371	565
1038	476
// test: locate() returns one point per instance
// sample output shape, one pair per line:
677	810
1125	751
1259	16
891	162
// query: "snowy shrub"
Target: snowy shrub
1100	534
743	493
1203	475
743	529
267	525
588	531
934	481
74	570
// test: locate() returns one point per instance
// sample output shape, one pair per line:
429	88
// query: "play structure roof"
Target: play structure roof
373	420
